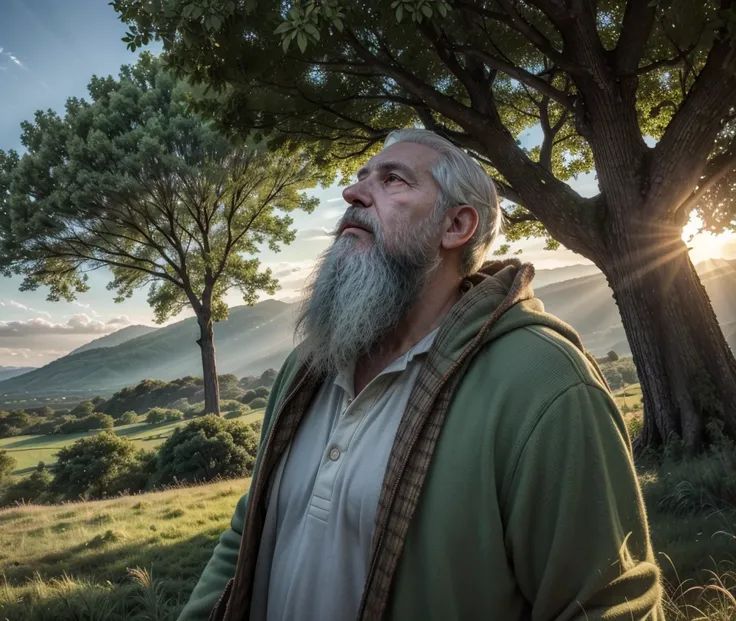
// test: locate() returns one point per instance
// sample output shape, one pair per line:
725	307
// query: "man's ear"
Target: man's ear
460	223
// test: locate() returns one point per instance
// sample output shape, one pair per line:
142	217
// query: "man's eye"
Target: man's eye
391	178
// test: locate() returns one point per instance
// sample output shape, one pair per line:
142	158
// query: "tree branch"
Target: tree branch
716	169
635	29
522	75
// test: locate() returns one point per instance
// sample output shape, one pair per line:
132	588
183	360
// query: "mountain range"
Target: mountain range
255	338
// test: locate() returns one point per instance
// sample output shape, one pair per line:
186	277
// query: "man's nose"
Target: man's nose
357	195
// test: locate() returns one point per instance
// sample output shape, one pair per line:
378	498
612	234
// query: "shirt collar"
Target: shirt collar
346	377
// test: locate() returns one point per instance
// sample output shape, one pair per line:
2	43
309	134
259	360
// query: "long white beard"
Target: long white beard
357	296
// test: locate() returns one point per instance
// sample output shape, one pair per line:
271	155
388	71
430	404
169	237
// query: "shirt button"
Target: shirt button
335	454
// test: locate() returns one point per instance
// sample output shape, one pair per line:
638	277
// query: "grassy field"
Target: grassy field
29	450
73	561
138	557
629	396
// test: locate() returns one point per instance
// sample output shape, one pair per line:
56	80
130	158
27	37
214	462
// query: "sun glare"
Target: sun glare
703	246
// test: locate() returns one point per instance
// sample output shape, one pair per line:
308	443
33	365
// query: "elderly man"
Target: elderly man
436	447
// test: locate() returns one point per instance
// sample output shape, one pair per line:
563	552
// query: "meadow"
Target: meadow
29	450
134	557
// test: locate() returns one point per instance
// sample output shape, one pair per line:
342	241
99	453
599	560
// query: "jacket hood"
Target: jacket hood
497	299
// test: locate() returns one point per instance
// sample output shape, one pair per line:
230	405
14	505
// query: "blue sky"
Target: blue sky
50	50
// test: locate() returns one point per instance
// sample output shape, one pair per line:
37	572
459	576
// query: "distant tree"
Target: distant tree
262	391
97	466
127	418
643	92
258	402
98	401
28	489
7	464
43	412
157	416
94	421
248	396
82	409
611	356
206	448
133	181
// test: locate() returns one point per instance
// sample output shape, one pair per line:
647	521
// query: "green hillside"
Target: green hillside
253	339
116	338
29	450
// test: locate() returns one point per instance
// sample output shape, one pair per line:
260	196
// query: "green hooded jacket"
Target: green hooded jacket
510	492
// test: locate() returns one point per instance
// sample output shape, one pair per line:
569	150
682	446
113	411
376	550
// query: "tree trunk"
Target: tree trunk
686	368
206	344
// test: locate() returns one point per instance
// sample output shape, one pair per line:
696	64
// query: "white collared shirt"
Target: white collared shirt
315	548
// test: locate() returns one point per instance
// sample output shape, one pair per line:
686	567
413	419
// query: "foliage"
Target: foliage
619	89
7	464
11	423
28	489
126	418
83	409
619	372
134	181
267	378
258	402
157	416
152	393
98	466
250	395
88	423
206	448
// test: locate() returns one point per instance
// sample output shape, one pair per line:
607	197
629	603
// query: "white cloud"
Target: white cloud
77	324
14	304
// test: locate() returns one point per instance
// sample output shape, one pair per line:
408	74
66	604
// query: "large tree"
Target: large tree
135	182
642	91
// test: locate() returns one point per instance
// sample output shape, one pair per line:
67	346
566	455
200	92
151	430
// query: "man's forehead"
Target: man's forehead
417	158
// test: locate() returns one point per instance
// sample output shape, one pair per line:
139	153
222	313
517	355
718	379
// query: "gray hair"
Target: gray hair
462	182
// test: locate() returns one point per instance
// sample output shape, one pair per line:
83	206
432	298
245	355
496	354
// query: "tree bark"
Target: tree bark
206	344
686	368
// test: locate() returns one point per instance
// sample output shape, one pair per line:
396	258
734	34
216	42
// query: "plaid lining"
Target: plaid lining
408	464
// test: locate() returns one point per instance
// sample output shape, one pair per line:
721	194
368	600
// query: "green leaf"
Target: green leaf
442	9
399	13
196	12
327	11
285	43
312	31
427	10
216	22
282	28
301	41
187	10
338	23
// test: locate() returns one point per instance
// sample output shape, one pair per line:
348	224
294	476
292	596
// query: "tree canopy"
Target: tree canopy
641	91
134	181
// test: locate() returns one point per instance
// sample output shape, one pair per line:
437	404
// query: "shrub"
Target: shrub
229	405
127	418
29	489
262	391
206	448
635	424
83	409
7	464
44	427
157	416
99	465
258	402
248	396
88	423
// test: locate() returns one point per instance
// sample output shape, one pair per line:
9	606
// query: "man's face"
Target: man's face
395	192
386	246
